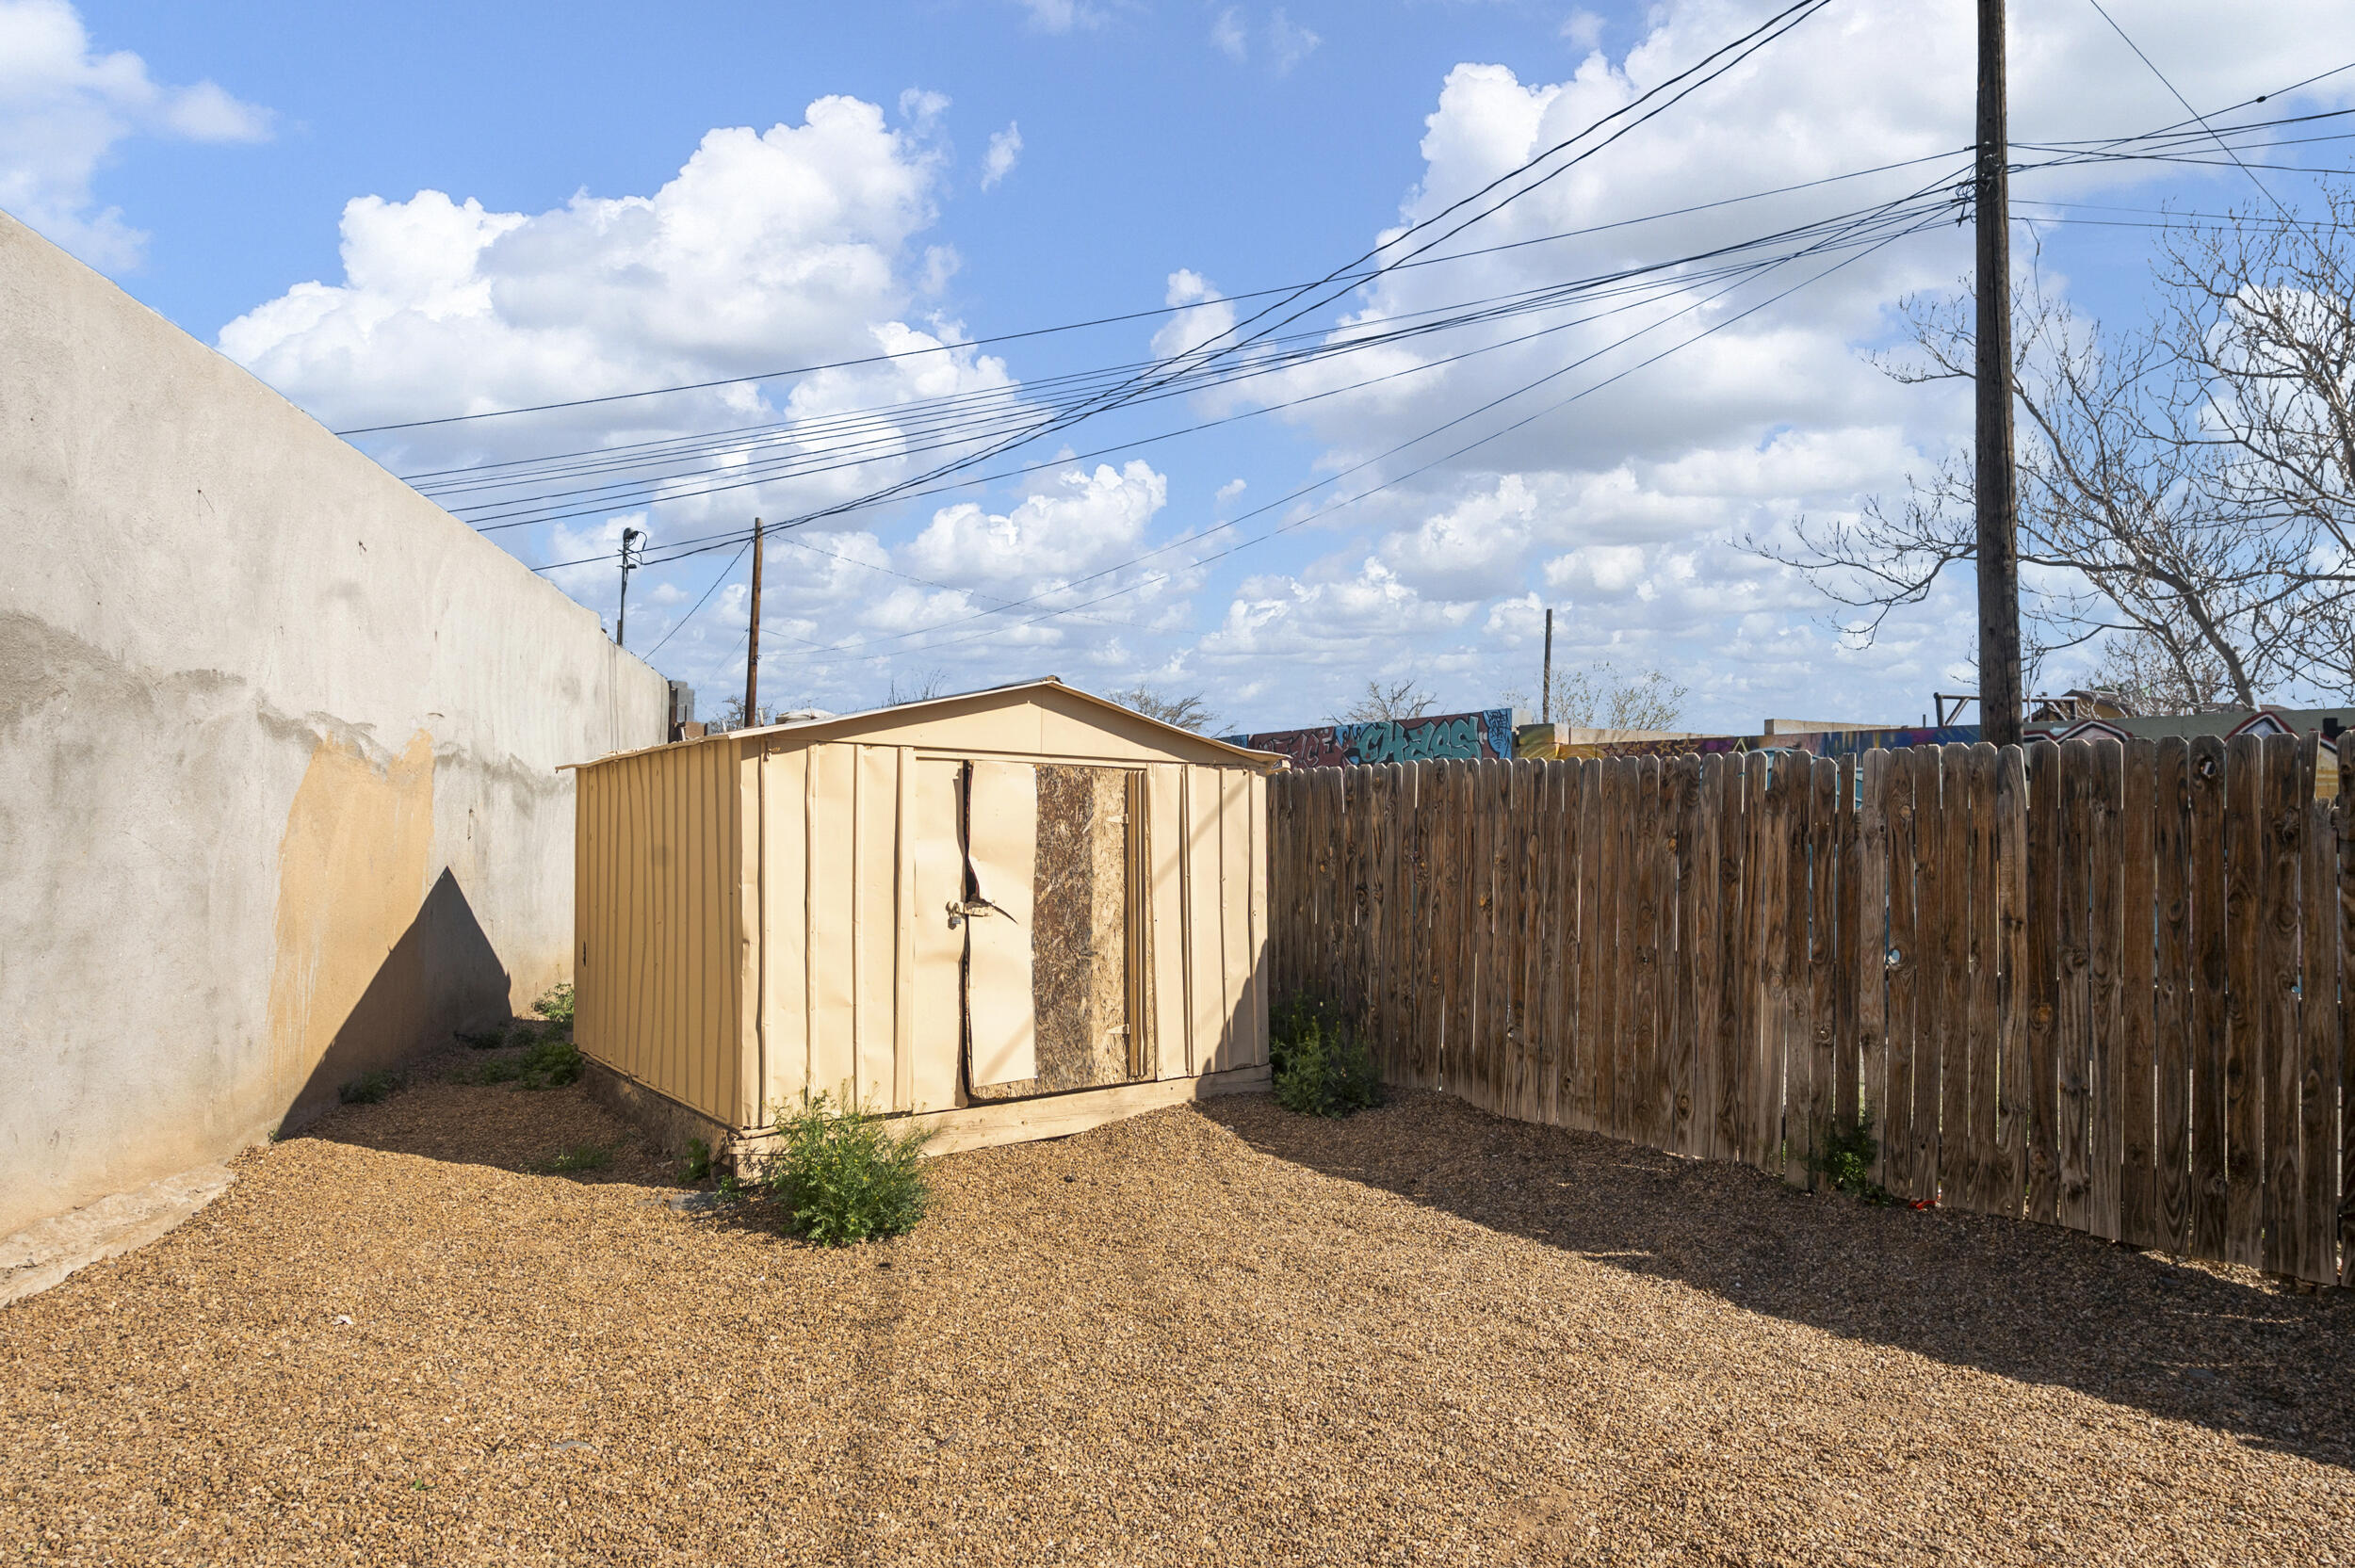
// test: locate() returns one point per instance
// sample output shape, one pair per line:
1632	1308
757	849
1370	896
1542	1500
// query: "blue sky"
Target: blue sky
840	192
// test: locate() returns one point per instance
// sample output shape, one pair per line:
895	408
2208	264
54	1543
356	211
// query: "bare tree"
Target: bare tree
2260	323
916	689
1188	712
2183	487
1599	698
733	716
2146	675
1396	701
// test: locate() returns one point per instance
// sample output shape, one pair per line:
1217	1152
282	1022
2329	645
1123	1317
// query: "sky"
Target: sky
400	214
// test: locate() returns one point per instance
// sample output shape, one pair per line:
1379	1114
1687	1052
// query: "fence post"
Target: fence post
2138	1207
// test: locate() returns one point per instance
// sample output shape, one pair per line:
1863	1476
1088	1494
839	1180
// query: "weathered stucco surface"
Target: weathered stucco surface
278	751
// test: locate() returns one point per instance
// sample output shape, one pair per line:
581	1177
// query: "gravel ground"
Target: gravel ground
1224	1334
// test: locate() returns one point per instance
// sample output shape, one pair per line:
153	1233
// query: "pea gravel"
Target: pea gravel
1221	1335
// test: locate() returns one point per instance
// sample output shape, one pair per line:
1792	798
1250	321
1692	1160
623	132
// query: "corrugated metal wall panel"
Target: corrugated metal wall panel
784	947
1165	935
903	938
1206	977
659	873
832	999
1234	899
746	826
1256	1003
875	923
936	947
1003	843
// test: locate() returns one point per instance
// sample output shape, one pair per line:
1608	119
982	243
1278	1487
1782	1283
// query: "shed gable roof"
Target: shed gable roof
907	722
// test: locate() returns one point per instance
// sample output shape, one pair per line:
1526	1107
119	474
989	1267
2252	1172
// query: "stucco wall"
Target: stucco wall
278	751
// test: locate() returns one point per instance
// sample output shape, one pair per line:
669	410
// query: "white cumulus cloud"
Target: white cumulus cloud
1085	521
64	109
1228	37
1005	151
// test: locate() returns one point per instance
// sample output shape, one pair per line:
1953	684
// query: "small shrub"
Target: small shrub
1328	1070
484	1040
578	1156
557	1008
370	1089
698	1162
842	1176
496	1070
1293	1020
1843	1159
551	1063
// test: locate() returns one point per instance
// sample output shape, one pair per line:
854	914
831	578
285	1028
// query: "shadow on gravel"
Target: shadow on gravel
548	1132
2033	1302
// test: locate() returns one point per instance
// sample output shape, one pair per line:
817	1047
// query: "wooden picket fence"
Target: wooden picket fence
2085	983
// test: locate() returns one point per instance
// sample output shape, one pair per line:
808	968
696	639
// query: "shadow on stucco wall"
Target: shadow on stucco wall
442	974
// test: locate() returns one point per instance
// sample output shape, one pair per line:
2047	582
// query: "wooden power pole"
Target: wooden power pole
751	638
1545	681
1997	484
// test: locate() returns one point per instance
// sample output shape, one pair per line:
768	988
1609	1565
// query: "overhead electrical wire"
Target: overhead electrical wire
921	417
869	645
679	549
1176	377
763	476
1461	418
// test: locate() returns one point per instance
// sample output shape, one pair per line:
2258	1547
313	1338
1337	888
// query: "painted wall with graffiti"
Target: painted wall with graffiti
1821	743
1464	736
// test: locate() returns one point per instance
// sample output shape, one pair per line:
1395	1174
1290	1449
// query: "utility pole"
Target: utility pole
751	640
1997	484
1545	683
621	617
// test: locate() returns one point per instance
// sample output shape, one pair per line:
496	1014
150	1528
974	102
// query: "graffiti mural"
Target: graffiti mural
1843	743
1464	735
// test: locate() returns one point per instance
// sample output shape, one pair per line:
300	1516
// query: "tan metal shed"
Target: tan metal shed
1009	913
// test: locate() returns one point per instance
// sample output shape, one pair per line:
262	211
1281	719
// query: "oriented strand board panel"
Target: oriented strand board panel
875	924
832	783
1079	927
782	953
1206	962
1002	822
1165	935
936	946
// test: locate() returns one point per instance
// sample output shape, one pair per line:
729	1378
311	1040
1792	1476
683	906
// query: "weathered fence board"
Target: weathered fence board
2094	985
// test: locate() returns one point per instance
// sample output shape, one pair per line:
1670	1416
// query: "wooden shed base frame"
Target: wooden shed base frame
669	1124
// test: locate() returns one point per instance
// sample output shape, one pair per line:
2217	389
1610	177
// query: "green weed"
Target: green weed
1293	1020
1328	1070
370	1089
556	1006
496	1070
698	1162
550	1064
1843	1159
577	1157
843	1175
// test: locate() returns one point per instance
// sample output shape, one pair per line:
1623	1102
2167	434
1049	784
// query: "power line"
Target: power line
721	541
2187	108
1530	387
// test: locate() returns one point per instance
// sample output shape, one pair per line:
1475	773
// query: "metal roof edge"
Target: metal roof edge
1269	762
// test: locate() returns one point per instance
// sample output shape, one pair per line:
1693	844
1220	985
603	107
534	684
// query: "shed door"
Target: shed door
1001	849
